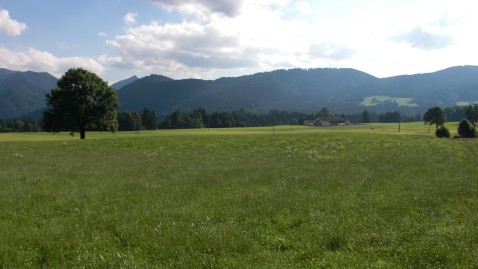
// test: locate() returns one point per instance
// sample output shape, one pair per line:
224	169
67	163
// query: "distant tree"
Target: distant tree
466	129
148	119
136	118
200	114
442	132
324	112
365	116
471	113
18	125
389	117
81	100
455	113
129	121
434	115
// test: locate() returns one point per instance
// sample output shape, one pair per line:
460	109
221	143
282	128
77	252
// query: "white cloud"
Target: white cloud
259	37
41	61
63	45
9	26
227	7
101	34
216	38
130	18
418	38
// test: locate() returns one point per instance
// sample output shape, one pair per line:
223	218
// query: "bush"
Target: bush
466	129
442	132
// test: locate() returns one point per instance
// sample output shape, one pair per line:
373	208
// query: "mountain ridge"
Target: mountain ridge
342	90
122	83
306	90
23	92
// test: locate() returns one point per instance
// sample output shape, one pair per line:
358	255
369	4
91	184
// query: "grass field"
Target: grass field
288	197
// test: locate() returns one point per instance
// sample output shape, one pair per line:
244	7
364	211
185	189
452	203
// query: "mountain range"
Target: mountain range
342	90
22	93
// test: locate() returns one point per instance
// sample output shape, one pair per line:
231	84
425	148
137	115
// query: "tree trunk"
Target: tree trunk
82	133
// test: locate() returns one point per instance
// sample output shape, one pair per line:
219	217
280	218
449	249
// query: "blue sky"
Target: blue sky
213	38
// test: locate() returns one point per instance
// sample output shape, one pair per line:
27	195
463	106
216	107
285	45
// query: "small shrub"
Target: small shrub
442	132
466	129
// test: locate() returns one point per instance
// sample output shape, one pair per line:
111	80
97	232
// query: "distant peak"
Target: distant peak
120	84
159	77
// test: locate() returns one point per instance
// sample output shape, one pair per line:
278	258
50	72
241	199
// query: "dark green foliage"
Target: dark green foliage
81	100
148	119
466	129
455	113
324	112
129	121
19	126
365	116
389	117
200	118
442	132
435	115
471	113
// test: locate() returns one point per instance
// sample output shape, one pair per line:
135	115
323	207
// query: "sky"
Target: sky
209	39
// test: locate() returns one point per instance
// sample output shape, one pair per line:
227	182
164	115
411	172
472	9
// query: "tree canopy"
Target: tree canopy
466	129
471	113
81	100
434	115
148	119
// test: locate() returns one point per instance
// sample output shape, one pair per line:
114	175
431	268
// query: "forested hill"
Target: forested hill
305	90
22	93
302	90
293	90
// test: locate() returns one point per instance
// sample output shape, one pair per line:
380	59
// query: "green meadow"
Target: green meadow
276	197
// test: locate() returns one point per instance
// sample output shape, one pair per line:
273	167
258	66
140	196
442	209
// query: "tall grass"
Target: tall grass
193	199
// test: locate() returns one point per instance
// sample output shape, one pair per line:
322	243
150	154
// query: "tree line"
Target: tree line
135	121
386	117
200	118
147	119
438	117
19	125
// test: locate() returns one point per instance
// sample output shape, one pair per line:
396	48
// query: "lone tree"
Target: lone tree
434	115
466	129
81	100
442	132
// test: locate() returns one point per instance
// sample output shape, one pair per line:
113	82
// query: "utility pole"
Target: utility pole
399	117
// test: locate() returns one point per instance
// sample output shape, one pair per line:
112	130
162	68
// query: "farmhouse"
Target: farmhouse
327	121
